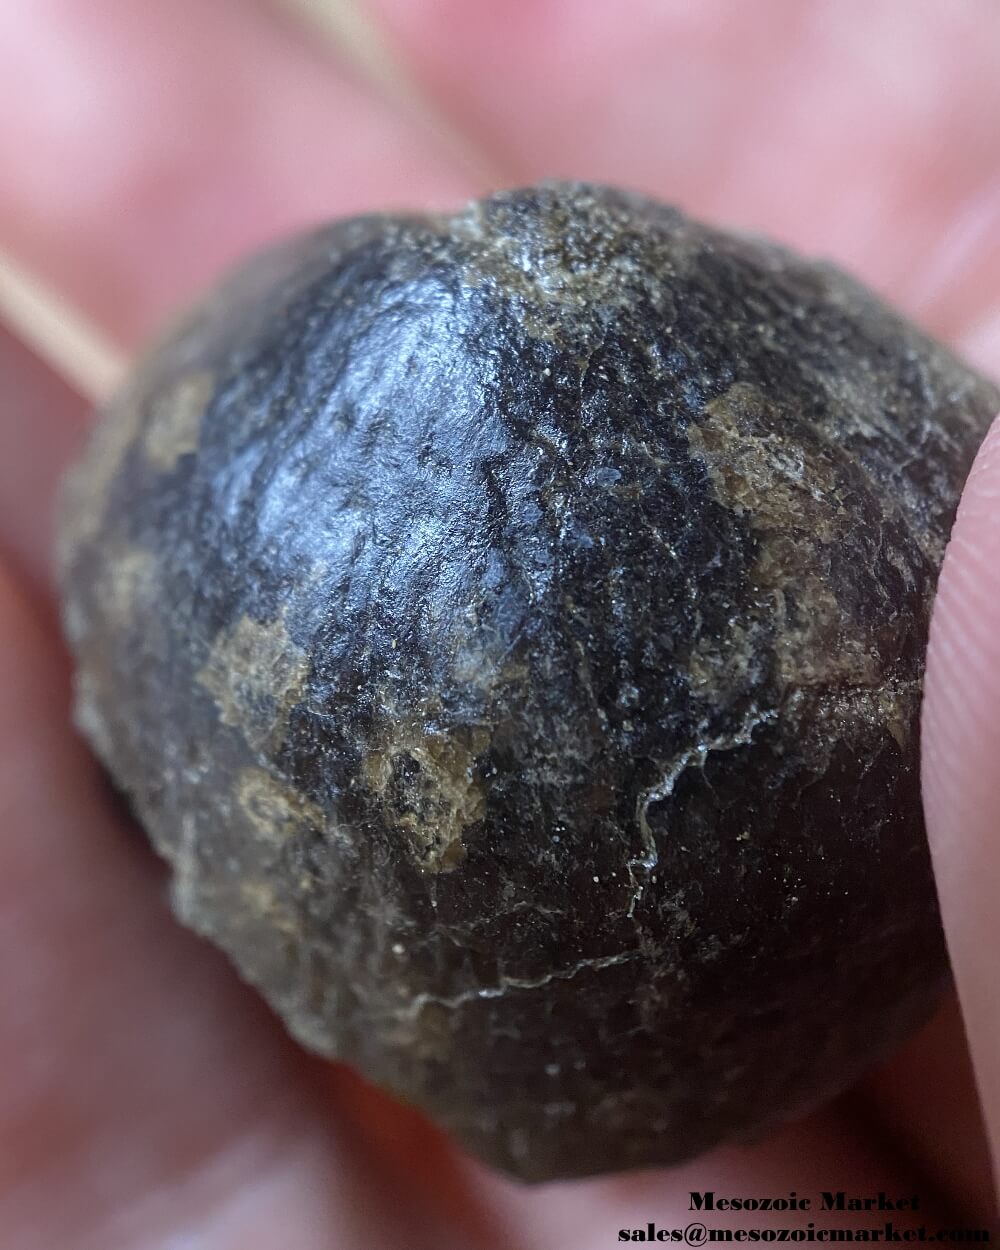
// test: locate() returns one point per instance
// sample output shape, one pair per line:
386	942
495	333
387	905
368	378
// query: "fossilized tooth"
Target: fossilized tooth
510	628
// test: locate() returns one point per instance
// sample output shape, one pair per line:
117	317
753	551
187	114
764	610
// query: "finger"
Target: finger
42	421
142	147
980	341
961	746
147	1098
867	133
925	1097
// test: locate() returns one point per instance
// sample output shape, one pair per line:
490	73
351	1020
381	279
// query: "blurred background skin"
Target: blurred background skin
146	1098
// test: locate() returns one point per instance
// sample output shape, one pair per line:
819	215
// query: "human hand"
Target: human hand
148	1099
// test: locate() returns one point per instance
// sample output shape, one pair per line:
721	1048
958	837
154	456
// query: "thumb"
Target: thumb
961	764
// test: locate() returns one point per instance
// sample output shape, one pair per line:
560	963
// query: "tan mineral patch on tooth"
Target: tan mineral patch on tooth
717	665
896	713
274	809
786	496
256	674
87	714
264	905
174	422
129	580
428	783
556	271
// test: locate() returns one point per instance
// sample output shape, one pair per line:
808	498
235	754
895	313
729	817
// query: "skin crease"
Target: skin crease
148	1099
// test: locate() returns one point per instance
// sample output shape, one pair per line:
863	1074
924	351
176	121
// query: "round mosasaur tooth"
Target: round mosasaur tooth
510	627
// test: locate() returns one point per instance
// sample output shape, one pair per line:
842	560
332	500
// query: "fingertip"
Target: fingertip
961	761
961	712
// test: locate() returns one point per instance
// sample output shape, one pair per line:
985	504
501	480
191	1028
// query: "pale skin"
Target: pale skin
147	1099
